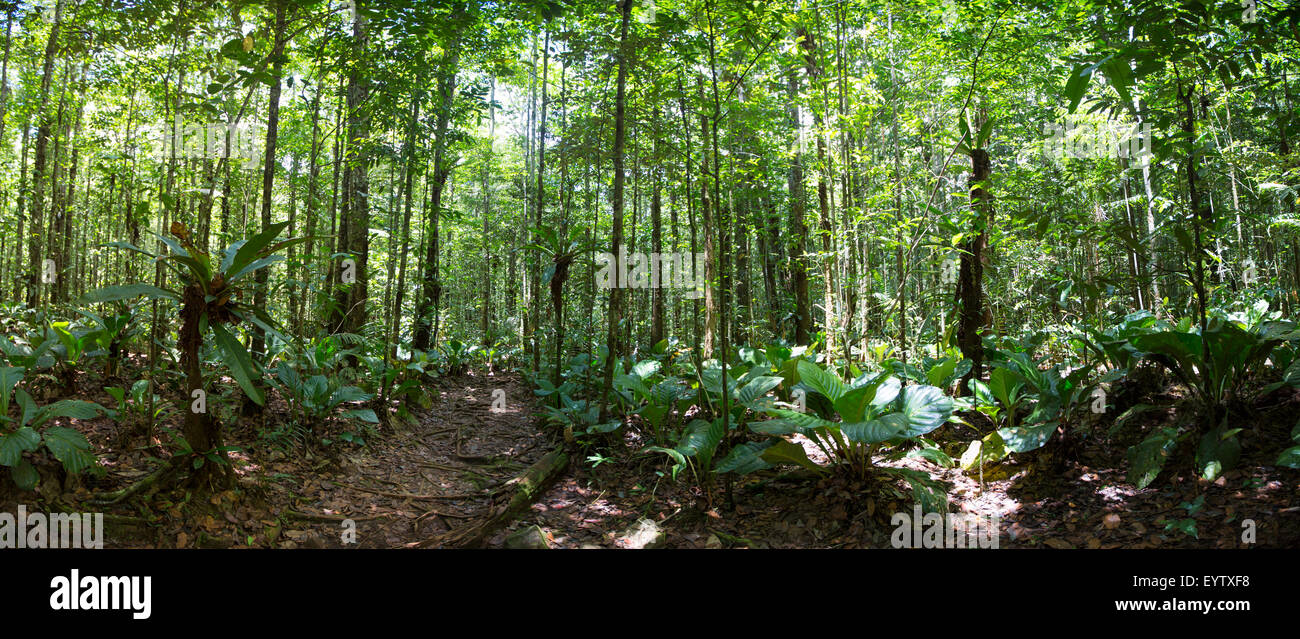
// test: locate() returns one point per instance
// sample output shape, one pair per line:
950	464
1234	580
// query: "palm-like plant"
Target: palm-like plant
210	300
563	248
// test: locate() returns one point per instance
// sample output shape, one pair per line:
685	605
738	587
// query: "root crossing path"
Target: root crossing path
440	474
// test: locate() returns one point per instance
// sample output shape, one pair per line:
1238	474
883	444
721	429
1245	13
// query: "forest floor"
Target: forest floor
441	469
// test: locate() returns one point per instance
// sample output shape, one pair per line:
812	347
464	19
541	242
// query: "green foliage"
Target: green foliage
25	433
315	399
874	412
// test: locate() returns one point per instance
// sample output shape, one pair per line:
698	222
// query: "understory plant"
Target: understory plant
28	432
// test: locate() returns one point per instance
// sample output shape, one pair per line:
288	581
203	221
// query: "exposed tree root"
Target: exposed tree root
153	482
527	487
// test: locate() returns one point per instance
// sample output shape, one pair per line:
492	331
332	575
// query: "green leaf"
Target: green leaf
1148	458
926	408
24	475
1005	385
755	389
887	427
250	249
821	381
1217	451
70	447
784	452
255	265
745	458
13	445
9	378
794	421
1290	457
238	361
127	292
364	414
348	394
984	451
1077	85
1022	439
74	408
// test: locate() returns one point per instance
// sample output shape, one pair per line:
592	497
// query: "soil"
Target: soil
445	467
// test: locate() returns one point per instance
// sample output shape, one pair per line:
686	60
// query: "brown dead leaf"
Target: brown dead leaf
182	540
1059	544
1111	521
1094	543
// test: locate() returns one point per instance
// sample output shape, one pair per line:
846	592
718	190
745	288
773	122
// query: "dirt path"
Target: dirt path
430	477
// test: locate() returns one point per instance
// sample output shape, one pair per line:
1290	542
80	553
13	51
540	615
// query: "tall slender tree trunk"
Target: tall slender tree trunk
616	204
268	168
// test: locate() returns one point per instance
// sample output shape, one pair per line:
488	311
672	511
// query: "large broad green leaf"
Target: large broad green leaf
126	292
238	361
1022	439
250	249
70	447
348	394
667	392
364	414
28	406
852	405
701	439
784	452
932	495
791	421
821	381
74	408
1005	385
645	369
1290	457
926	408
289	377
1077	84
984	451
633	382
1148	458
755	389
938	374
745	458
887	392
24	475
9	377
1217	451
13	445
875	431
254	266
1184	349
